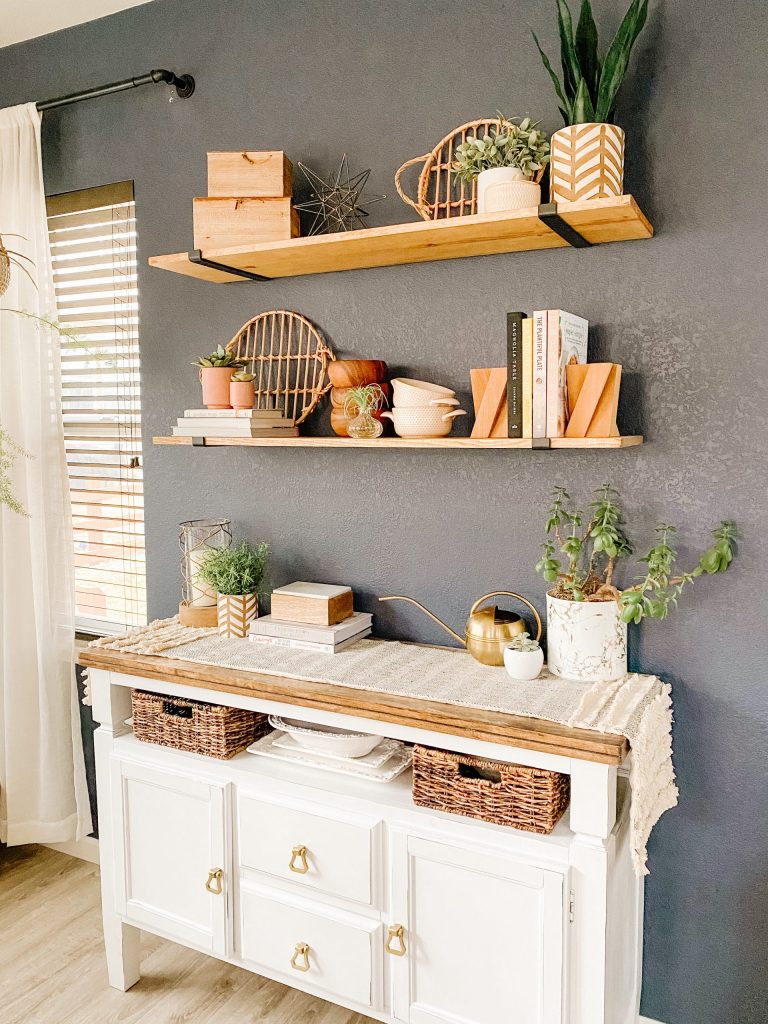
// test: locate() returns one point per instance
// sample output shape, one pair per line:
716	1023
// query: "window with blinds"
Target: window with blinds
93	247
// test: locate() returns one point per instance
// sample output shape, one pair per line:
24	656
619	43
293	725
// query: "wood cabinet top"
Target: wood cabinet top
450	719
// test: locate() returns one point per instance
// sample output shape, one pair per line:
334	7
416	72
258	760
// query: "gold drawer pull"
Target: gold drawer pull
301	951
215	875
299	853
396	932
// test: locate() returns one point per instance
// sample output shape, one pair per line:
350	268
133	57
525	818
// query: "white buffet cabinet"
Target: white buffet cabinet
344	889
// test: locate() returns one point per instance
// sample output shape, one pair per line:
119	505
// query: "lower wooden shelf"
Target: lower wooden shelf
407	442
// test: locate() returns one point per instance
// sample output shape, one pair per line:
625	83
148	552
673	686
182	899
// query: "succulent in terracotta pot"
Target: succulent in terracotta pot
216	372
242	391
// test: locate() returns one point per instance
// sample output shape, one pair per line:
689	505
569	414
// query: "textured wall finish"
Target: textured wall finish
685	313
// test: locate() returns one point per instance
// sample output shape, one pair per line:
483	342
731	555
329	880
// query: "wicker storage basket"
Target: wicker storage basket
532	799
191	725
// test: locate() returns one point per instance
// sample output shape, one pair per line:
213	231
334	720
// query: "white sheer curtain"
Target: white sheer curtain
43	796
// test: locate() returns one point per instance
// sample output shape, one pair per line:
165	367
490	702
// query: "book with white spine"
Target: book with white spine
308	645
540	373
269	625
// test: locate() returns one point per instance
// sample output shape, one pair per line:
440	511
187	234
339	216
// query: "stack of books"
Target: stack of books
539	347
311	617
234	423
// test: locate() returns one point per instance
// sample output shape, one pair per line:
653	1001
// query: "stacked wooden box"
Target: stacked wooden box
249	200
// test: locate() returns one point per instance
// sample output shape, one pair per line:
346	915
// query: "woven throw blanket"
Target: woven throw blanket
638	707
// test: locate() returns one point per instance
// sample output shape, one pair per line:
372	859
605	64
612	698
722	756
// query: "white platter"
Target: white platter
395	766
324	739
377	757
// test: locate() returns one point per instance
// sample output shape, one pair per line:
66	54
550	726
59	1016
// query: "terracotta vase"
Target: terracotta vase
242	394
215	381
235	613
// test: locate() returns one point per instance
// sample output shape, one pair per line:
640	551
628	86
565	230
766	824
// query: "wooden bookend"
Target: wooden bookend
489	395
593	399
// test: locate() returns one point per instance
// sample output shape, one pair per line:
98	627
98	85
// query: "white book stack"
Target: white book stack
234	423
307	637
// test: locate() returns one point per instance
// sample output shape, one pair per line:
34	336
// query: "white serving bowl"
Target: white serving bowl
327	740
423	421
409	392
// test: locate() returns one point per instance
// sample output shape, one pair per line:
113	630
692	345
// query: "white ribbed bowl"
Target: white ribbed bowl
407	392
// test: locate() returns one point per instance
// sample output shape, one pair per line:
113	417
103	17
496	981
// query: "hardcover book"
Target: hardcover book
308	645
528	377
566	345
539	426
515	374
269	625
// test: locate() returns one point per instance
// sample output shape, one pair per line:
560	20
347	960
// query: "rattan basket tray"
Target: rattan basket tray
191	725
532	799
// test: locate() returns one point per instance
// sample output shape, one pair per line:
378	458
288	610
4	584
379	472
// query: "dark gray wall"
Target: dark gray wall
685	314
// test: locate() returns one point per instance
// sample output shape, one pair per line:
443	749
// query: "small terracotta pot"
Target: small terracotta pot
351	373
215	381
242	394
339	395
235	613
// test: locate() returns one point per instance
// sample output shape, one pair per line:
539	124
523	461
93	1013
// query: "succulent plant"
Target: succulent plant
243	377
219	357
589	86
523	642
523	145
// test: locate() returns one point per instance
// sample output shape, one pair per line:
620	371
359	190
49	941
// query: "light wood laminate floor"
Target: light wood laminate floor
52	968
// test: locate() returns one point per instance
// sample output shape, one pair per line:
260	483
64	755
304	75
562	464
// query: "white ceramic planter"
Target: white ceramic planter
586	640
505	188
523	664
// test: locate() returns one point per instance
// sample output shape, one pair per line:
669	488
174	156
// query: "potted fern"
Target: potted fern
507	163
237	576
587	614
587	160
215	373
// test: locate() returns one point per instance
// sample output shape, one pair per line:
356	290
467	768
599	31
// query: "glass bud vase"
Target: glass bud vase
365	426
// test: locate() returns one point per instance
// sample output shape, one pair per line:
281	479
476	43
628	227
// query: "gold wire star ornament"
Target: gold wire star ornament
335	203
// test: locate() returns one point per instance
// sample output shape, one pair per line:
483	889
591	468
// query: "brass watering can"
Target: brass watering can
488	630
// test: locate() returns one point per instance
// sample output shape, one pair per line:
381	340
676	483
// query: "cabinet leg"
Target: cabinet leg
123	957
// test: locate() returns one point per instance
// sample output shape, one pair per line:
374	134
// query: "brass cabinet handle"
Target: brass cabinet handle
215	883
299	853
396	932
301	951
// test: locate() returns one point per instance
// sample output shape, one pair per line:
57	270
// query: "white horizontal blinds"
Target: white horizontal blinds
93	248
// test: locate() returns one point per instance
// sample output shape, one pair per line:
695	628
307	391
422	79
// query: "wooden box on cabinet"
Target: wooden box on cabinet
250	173
219	223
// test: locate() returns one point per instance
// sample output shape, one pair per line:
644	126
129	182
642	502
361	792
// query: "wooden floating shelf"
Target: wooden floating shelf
596	221
408	442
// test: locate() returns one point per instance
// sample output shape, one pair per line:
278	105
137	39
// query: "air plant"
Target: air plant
589	85
593	542
365	399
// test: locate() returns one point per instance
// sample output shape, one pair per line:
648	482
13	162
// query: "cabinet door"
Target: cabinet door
482	937
172	857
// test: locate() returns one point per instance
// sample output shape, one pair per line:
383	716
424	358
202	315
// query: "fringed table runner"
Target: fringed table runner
638	707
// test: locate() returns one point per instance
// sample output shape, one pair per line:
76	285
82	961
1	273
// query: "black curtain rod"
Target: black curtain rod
185	86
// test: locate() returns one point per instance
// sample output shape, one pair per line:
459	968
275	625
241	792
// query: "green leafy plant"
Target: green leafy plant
366	398
522	145
580	555
10	450
590	85
522	642
219	357
235	570
243	377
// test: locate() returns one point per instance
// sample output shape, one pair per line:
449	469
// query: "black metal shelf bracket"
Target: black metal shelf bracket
196	256
548	215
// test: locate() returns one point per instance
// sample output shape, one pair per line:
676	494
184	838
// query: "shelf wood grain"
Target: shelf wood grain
597	220
407	442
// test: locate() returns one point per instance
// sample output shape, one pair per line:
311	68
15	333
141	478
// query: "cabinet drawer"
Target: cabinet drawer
334	855
333	951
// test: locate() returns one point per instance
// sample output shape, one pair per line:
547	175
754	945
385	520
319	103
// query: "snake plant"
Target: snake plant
589	86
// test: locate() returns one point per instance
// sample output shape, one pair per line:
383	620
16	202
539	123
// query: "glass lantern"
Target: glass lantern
198	598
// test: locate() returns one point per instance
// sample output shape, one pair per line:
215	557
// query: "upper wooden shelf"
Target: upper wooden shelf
595	221
409	442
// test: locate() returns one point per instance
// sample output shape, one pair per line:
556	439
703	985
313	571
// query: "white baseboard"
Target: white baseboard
647	1020
86	848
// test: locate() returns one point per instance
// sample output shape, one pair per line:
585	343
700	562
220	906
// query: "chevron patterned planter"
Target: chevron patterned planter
587	162
235	612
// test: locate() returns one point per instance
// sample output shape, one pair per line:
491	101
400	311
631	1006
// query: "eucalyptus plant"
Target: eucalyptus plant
522	145
590	85
580	555
220	357
235	570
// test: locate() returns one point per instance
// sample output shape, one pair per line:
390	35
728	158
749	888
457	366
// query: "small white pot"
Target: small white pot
422	421
505	188
523	664
586	640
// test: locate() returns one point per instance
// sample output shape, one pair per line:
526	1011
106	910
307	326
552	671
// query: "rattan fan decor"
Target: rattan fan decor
439	194
289	359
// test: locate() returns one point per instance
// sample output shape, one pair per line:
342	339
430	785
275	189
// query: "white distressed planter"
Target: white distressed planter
505	188
523	664
586	640
235	613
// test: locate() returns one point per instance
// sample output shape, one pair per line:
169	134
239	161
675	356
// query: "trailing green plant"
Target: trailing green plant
522	145
243	377
580	555
366	398
219	357
10	450
235	570
590	85
522	642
